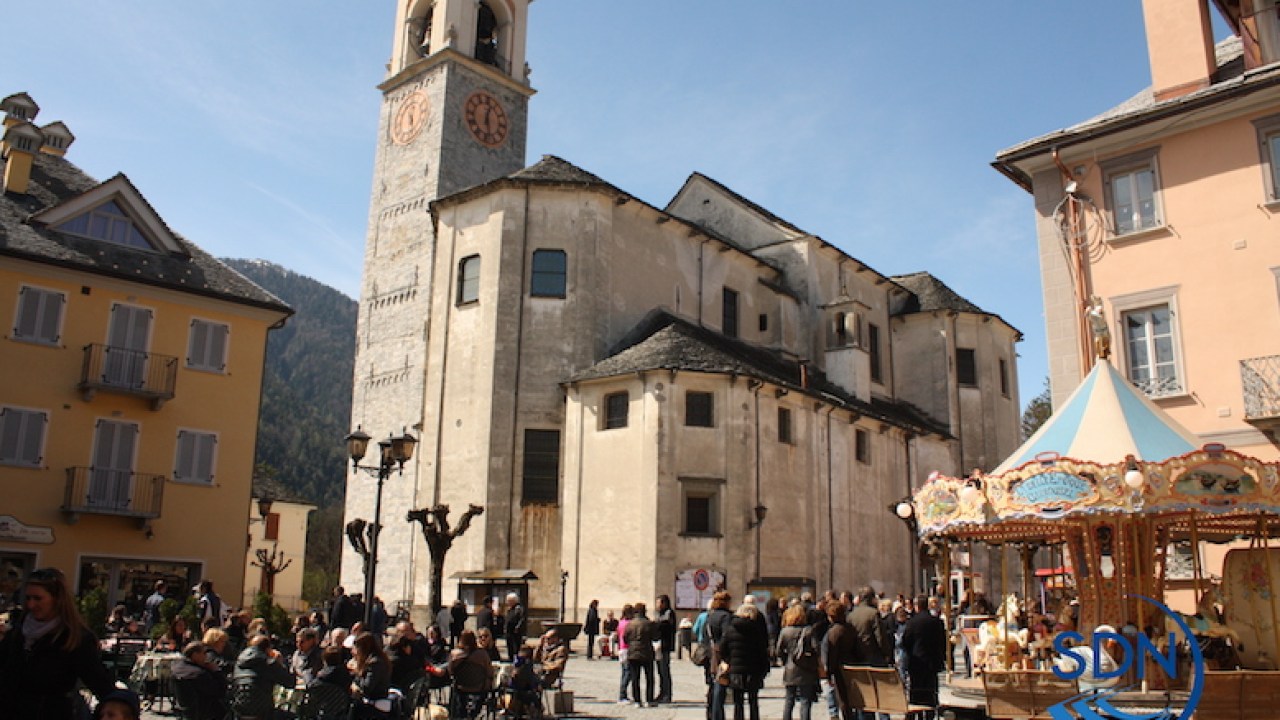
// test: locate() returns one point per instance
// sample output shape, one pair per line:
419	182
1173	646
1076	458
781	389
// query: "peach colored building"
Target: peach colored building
1165	207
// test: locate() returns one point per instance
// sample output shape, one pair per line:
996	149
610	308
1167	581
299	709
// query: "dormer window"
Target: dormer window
108	223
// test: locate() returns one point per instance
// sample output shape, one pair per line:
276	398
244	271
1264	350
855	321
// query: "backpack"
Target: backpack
805	651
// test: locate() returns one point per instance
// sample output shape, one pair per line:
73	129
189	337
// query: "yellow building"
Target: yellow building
1165	208
130	374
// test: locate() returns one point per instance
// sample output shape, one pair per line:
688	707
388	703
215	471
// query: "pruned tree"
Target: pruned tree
272	564
360	535
440	536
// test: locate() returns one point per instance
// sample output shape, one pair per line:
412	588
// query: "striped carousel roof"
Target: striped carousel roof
1103	421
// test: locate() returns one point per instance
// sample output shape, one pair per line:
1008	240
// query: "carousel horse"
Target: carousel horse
1001	638
1092	664
1218	642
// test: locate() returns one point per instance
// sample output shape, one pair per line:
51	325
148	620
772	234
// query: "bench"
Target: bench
1025	694
1239	695
878	689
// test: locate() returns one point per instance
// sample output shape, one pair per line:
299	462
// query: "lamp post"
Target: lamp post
906	512
395	452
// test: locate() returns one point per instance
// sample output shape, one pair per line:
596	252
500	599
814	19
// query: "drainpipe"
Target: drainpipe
831	528
1075	234
755	392
702	249
444	358
915	542
577	529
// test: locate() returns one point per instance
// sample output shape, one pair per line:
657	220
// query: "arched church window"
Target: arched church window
420	32
487	37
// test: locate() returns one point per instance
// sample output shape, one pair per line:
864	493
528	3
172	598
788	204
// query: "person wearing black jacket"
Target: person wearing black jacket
718	619
343	612
46	651
515	626
200	685
372	678
591	627
666	635
484	615
870	646
924	638
745	648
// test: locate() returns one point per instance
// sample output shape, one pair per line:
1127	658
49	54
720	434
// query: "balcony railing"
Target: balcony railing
113	492
1260	379
132	372
1159	387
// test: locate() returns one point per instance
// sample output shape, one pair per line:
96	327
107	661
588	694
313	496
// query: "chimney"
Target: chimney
18	149
18	107
1180	46
57	138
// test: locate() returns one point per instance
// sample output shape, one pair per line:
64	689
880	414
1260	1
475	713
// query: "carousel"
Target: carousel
1123	505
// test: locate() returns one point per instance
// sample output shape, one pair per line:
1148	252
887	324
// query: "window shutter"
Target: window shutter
206	445
28	313
196	345
10	432
33	435
183	467
52	307
273	527
218	347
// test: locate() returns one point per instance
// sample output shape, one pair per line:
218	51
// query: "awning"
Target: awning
509	575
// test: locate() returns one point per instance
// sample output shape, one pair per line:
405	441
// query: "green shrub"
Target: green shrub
278	622
93	608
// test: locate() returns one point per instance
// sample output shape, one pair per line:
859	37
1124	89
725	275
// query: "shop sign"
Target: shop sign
12	529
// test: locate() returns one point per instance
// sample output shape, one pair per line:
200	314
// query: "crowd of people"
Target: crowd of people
813	641
232	661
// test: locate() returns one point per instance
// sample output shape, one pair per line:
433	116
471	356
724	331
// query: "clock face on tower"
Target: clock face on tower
410	118
486	119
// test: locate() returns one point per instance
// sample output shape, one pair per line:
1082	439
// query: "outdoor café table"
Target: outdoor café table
290	698
152	675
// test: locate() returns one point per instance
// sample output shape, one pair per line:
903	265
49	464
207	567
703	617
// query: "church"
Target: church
645	400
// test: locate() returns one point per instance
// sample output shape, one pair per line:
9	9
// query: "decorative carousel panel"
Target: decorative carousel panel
946	502
1057	489
1214	481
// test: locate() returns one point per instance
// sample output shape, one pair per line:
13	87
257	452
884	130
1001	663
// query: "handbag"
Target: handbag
722	673
699	655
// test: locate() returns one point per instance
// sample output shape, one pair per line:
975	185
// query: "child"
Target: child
119	705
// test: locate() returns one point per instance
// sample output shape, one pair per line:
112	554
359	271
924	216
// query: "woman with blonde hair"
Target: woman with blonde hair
45	653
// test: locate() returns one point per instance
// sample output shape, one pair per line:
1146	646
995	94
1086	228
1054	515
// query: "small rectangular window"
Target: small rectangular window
1151	350
39	315
549	274
1004	377
701	507
207	346
729	306
764	322
272	529
873	349
966	367
1133	192
22	434
616	406
469	280
196	456
541	474
1269	149
699	409
862	446
784	425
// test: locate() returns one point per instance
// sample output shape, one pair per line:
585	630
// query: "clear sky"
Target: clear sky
250	124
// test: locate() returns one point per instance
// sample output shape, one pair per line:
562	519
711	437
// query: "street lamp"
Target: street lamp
905	511
395	452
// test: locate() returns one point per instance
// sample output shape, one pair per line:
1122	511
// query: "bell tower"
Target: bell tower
454	115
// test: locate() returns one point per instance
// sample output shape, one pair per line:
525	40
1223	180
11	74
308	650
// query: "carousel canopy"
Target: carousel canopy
1104	420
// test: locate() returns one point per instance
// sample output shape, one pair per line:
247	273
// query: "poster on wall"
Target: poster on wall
695	586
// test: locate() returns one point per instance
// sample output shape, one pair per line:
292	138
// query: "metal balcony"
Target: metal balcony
129	372
1260	381
112	492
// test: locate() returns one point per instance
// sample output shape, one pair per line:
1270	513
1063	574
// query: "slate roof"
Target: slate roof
55	180
1229	80
929	294
557	170
662	341
265	487
762	211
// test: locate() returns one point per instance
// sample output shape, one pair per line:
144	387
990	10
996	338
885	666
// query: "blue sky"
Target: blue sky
250	125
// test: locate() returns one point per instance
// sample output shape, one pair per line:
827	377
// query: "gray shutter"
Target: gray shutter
218	346
10	433
28	313
206	447
33	436
186	452
51	308
196	345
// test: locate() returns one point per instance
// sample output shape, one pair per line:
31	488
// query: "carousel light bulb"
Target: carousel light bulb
904	510
1134	479
968	494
